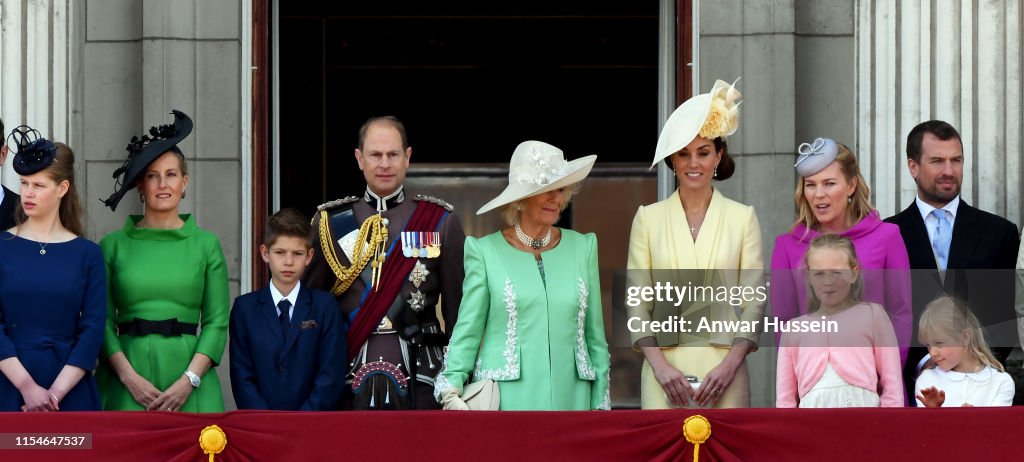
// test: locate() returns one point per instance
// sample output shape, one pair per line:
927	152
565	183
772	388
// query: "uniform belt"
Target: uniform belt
168	328
438	340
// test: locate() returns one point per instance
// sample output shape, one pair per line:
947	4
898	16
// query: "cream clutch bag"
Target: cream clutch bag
482	395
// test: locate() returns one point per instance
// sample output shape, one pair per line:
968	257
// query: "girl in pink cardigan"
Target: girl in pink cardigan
852	359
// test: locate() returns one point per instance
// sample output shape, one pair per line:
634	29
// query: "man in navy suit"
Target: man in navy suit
954	248
287	343
8	200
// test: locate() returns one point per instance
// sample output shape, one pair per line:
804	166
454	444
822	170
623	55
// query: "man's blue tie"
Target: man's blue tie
943	236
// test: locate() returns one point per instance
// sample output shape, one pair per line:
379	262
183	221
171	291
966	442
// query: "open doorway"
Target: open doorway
469	79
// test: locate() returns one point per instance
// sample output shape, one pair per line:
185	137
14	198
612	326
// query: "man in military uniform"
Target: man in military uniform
388	257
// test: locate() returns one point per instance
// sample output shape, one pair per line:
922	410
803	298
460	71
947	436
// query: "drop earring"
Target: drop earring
715	174
849	199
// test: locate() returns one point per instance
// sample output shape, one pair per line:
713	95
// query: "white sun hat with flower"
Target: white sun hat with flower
710	115
537	167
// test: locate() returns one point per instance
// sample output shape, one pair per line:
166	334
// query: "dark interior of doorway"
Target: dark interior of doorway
470	80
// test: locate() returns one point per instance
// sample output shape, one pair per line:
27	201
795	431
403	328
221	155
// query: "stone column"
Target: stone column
954	60
39	56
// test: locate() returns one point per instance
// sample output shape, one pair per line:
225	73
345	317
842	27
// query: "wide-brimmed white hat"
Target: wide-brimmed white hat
711	115
537	167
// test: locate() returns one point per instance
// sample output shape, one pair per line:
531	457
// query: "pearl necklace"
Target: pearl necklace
528	241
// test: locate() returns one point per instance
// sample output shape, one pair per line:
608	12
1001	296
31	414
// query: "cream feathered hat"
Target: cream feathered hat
710	115
537	167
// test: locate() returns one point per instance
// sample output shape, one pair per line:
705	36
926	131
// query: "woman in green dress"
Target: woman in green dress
531	316
166	279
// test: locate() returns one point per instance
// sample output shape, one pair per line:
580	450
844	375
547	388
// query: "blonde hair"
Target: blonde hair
952	317
841	244
512	211
859	207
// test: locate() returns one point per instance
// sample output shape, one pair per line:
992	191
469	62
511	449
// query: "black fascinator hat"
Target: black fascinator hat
32	152
143	151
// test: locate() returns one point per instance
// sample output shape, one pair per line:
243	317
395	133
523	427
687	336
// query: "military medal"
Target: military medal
434	250
406	245
423	244
418	274
416	300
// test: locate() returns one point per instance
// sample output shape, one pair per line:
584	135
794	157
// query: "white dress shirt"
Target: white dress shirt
278	296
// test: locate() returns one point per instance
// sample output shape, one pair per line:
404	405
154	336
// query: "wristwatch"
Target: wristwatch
193	379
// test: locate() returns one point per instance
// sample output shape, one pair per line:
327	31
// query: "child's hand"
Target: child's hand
932	397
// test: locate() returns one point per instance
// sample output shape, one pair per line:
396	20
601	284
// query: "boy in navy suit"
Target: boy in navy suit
287	344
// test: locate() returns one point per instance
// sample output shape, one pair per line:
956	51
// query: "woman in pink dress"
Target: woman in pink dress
832	198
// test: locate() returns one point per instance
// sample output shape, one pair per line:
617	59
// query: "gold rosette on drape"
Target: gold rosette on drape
697	430
212	440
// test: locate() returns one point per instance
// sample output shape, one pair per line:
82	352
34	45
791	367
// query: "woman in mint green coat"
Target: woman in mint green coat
531	316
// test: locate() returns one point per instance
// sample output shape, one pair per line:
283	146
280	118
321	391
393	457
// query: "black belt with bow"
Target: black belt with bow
168	328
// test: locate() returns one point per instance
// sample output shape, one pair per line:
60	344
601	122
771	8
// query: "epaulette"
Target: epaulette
434	200
336	202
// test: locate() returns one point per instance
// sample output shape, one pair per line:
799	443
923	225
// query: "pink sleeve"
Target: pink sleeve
887	359
786	392
898	298
784	302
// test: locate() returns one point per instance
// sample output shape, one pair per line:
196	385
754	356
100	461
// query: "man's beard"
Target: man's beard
932	193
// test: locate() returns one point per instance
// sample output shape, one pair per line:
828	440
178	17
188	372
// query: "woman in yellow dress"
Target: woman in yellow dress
697	228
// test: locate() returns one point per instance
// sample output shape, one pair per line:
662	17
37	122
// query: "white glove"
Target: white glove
452	402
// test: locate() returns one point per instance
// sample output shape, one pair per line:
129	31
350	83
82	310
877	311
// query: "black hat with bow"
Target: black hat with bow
32	152
143	151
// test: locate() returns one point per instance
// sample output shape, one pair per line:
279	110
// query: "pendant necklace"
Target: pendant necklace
42	245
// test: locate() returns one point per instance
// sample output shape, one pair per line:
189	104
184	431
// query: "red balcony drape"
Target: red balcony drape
739	434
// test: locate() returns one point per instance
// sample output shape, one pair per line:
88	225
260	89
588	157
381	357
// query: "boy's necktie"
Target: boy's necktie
286	323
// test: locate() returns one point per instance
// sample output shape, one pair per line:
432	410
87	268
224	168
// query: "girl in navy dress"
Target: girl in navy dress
52	288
